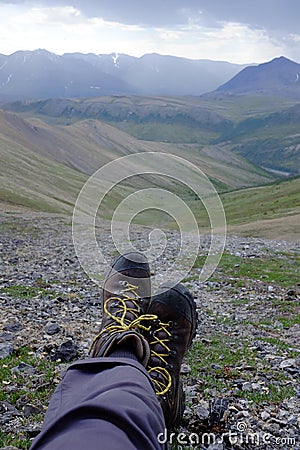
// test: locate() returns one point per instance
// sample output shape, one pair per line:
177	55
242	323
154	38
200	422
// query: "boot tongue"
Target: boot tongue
120	281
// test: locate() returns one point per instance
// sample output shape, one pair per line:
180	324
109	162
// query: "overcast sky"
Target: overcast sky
240	31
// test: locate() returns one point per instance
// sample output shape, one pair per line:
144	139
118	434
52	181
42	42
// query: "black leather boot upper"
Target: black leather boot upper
170	337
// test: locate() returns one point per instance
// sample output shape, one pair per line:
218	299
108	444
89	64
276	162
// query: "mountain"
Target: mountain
280	76
269	140
41	74
126	110
155	74
44	166
263	131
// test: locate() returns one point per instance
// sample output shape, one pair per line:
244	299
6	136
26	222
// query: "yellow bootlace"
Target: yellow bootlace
161	386
120	323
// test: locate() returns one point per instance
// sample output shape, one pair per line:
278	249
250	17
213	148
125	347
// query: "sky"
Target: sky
238	31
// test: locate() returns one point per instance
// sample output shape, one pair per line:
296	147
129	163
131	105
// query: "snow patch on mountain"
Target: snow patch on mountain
115	58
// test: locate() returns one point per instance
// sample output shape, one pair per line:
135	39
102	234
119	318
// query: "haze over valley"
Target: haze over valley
244	133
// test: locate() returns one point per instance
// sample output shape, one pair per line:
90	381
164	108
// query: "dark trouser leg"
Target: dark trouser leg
103	403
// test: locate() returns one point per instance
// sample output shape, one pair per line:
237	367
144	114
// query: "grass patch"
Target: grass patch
219	361
18	442
20	291
164	132
26	378
273	393
219	350
19	227
283	346
278	269
277	199
289	322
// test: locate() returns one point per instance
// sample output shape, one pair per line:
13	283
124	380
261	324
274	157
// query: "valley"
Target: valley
243	136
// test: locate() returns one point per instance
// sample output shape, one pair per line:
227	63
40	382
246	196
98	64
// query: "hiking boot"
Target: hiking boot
169	338
126	296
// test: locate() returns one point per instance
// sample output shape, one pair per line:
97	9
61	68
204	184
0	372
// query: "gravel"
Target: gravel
49	304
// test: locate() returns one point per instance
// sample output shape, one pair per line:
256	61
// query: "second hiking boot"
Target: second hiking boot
170	337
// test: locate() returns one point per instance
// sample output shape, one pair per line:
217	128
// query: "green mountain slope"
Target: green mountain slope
271	211
38	183
271	140
45	165
279	199
262	128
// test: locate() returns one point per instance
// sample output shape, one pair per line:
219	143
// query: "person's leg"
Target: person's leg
108	402
103	403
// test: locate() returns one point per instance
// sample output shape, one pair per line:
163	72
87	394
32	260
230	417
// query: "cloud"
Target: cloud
63	29
236	41
295	37
267	14
237	31
54	15
232	42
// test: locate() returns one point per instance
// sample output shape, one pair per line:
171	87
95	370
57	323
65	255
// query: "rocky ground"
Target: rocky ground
241	376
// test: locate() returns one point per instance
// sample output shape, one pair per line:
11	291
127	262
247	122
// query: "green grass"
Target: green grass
266	202
164	132
29	388
33	203
277	268
18	440
21	291
36	181
281	345
250	208
218	361
219	350
244	106
272	393
289	322
18	226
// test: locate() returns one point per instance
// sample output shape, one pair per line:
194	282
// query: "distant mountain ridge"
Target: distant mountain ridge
269	139
279	76
41	74
45	165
